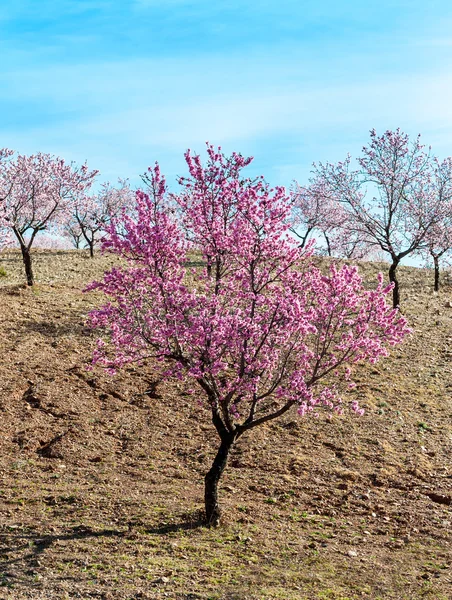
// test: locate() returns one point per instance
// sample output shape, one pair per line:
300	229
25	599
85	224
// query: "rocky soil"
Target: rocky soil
102	477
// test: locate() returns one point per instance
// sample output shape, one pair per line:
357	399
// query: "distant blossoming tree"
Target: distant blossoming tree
439	237
72	233
52	242
342	241
258	328
5	231
312	210
439	248
403	205
317	212
91	214
37	192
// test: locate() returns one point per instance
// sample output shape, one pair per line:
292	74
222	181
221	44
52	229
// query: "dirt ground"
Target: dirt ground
102	477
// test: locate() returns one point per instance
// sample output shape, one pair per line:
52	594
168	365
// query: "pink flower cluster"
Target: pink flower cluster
217	289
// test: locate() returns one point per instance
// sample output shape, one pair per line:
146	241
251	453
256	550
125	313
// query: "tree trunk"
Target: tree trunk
91	249
209	267
328	244
26	257
436	263
393	279
212	478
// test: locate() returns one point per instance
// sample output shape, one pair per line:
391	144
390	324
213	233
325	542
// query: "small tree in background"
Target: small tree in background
258	328
37	193
439	248
312	210
91	214
5	231
342	239
405	207
72	232
316	211
52	242
439	237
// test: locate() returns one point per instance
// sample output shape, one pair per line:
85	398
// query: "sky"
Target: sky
122	84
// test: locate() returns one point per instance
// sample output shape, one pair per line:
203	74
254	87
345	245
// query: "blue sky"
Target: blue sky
122	84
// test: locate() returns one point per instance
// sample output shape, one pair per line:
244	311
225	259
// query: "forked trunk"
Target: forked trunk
212	478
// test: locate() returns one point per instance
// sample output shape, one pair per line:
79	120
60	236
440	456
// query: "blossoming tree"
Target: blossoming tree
258	329
317	212
312	210
91	214
439	237
5	231
403	205
36	193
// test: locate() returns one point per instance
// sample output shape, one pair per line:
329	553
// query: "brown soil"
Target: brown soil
102	478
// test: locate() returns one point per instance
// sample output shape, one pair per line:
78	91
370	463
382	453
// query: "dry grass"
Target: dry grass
101	478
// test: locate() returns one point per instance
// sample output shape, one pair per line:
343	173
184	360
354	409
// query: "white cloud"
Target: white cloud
122	115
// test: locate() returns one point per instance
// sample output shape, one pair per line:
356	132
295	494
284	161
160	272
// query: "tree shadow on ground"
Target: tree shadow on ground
53	330
23	550
13	542
20	553
189	521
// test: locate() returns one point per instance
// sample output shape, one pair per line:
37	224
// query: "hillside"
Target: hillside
102	477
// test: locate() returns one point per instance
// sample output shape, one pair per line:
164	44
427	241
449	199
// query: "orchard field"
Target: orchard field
102	476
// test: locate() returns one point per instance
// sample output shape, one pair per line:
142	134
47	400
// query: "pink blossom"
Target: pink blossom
258	327
36	193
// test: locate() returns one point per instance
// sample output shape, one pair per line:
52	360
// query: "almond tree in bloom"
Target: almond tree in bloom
316	212
91	214
257	329
390	198
72	233
439	238
37	193
440	247
52	242
342	240
313	210
310	207
5	231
